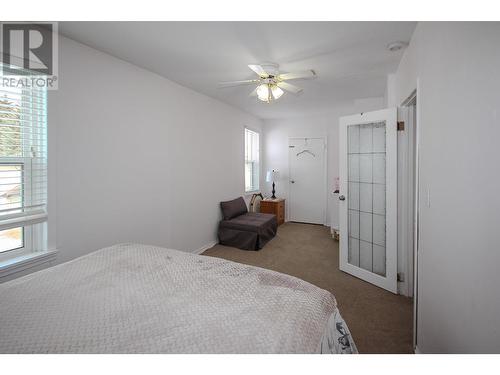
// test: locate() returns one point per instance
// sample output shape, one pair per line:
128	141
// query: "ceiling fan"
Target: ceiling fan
271	84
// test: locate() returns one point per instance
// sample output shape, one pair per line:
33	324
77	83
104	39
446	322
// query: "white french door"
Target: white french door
368	197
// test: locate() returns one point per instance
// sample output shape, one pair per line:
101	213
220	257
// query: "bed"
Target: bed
132	298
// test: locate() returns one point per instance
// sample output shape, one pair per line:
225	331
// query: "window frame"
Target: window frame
34	229
28	230
254	187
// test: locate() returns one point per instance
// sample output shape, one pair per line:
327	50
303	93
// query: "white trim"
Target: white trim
388	115
416	236
259	174
25	262
415	95
255	130
406	194
205	247
24	220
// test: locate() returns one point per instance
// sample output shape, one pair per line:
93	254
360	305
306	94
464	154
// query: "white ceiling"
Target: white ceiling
350	58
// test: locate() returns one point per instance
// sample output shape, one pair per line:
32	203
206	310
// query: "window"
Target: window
10	198
23	170
252	169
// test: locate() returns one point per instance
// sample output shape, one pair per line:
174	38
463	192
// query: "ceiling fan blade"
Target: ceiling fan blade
307	74
289	87
238	83
259	70
254	92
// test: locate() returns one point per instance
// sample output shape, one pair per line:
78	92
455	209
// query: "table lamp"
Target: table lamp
272	176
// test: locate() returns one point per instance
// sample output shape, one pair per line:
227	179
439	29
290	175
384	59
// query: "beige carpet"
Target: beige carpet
380	321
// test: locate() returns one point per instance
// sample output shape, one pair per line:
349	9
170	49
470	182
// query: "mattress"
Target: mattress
133	298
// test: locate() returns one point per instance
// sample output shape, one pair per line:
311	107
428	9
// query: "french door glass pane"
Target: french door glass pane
366	196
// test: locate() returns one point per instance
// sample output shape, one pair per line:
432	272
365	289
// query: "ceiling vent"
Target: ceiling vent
396	46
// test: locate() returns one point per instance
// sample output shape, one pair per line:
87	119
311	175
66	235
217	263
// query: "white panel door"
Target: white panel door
307	183
368	197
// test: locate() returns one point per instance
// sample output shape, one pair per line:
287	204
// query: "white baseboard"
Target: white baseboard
205	247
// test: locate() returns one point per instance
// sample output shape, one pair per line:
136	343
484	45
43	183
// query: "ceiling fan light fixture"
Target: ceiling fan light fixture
267	92
276	91
263	92
271	84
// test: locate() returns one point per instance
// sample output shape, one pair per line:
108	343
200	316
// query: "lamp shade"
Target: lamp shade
263	92
272	176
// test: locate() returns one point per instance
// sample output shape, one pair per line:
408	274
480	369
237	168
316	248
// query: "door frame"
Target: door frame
389	282
288	215
415	96
408	201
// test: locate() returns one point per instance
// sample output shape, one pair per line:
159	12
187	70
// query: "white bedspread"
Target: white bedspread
142	299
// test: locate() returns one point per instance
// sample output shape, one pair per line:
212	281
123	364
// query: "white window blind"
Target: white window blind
23	160
252	169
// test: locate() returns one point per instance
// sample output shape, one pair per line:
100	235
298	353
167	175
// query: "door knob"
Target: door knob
292	181
342	198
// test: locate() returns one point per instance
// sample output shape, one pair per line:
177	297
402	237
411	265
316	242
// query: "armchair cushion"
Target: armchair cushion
233	208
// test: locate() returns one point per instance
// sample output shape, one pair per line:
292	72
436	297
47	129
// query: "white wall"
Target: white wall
457	69
325	125
135	157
